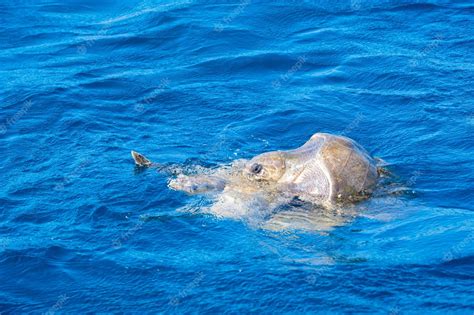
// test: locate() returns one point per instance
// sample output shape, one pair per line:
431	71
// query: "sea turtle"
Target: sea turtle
327	169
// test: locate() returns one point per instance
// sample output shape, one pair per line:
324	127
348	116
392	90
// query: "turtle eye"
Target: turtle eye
256	168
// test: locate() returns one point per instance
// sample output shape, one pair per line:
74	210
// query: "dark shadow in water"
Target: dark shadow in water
139	169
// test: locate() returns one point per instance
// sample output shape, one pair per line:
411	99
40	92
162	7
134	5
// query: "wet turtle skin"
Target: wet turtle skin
326	169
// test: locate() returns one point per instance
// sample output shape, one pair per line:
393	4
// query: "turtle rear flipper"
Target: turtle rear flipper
141	160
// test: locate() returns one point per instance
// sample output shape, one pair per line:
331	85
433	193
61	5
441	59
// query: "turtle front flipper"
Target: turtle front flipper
141	160
198	184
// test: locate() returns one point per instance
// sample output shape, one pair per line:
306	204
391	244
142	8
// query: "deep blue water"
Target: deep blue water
81	84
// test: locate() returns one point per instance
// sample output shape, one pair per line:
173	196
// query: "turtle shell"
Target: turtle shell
351	170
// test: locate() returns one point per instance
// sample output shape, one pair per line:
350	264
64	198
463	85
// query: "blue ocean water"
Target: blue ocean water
82	84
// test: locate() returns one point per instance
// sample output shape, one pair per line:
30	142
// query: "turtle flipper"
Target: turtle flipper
141	160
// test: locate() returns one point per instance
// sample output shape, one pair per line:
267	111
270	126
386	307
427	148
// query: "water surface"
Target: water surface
191	82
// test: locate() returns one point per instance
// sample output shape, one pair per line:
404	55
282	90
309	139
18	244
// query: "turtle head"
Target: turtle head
268	167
